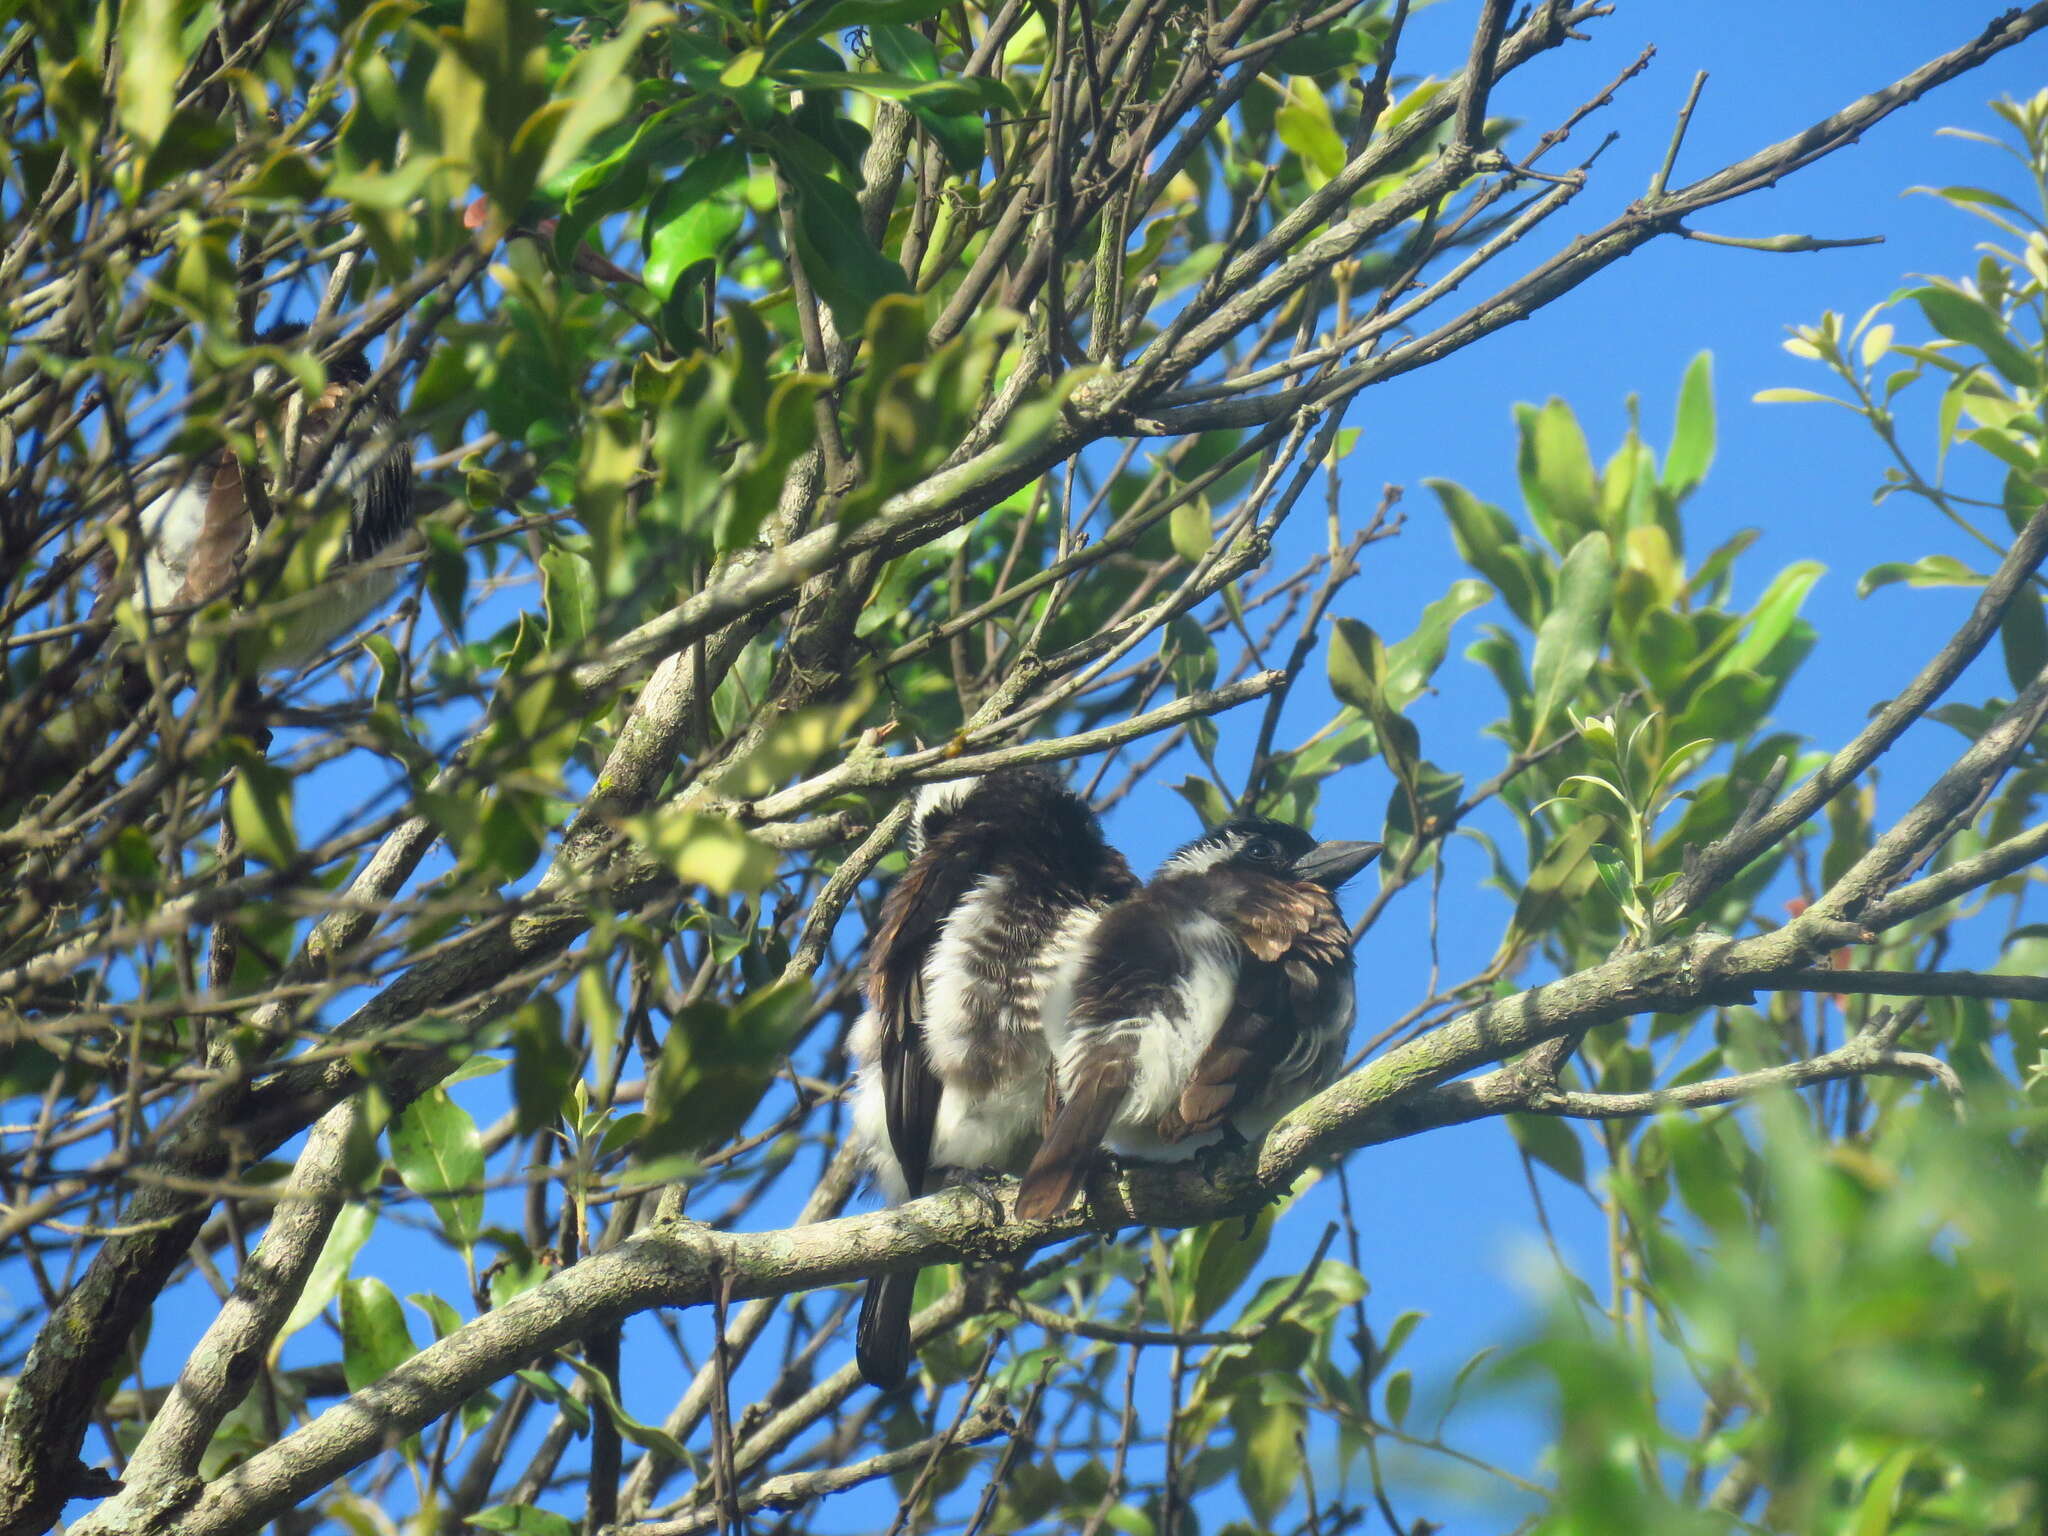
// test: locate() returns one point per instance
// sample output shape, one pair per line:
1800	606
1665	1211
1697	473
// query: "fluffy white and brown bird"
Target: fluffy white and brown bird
197	535
1008	872
1203	1008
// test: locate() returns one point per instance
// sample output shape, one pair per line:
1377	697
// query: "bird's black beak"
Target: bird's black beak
1331	864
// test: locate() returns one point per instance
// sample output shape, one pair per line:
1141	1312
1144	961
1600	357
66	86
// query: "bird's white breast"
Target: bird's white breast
170	527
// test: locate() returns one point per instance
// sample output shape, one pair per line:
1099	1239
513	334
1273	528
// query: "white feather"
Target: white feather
931	799
1167	1044
170	527
1200	857
957	976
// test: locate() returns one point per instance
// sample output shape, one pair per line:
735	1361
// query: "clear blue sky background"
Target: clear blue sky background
1448	1214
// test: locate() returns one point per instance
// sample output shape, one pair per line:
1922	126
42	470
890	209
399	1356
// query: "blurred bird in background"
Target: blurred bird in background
197	536
1201	1010
192	544
1007	873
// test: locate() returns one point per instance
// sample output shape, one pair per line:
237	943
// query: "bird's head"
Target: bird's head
1261	845
1024	822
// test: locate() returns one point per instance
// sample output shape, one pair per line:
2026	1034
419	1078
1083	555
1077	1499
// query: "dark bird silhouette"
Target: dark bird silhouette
1007	873
1202	1009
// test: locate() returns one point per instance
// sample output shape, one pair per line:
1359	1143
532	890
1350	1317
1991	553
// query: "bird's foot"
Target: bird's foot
982	1184
1216	1158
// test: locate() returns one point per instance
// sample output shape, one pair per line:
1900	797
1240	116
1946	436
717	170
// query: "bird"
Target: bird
197	534
1202	1009
1007	872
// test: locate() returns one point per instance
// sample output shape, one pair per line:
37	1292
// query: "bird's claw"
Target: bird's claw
1215	1158
981	1184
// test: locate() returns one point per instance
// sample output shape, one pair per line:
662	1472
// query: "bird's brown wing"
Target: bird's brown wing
223	542
912	915
1239	1060
1291	934
226	529
1076	1132
1130	971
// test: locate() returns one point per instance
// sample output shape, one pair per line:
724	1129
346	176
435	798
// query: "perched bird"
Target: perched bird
197	535
1007	873
1204	1008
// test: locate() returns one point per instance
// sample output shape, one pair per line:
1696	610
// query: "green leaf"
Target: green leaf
1553	1143
151	62
1412	662
1692	434
1560	878
1358	668
792	744
1928	571
1963	317
522	1520
439	1311
703	850
1305	126
1487	541
553	1393
646	1436
447	573
1796	397
1269	1452
1206	798
1555	467
1400	1392
351	1229
1767	623
849	274
439	1154
1190	530
1709	1183
1614	874
909	53
1357	660
568	596
1323	50
715	1063
1568	642
591	96
1423	802
692	218
973	93
1226	1255
542	1064
1397	1335
374	1338
692	234
260	809
1877	1509
2023	634
1710	581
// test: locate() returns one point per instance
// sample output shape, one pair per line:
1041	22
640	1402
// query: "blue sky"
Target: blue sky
1447	1215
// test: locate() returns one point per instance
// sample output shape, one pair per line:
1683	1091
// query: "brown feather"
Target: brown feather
223	541
1295	940
1071	1142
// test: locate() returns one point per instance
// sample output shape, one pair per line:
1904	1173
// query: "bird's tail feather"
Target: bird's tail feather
881	1342
1074	1138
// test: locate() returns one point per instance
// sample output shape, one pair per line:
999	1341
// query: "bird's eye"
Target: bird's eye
1261	850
